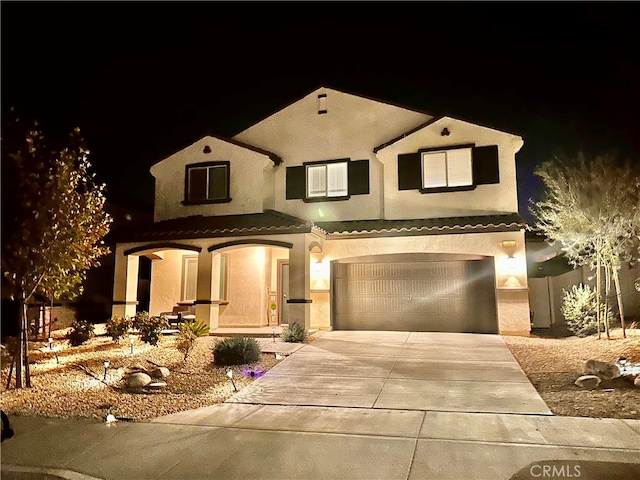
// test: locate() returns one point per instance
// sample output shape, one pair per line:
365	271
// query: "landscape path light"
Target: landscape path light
623	363
131	341
50	340
230	375
106	365
273	331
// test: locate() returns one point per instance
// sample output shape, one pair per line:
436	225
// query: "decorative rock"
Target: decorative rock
588	381
160	373
636	382
138	380
606	370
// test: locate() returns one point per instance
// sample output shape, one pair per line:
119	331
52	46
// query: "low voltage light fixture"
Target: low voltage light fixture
230	375
131	341
106	365
273	331
50	340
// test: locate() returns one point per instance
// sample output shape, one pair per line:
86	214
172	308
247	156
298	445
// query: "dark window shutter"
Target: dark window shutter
296	182
485	165
359	177
409	171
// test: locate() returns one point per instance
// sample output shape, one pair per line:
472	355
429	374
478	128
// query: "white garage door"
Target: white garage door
445	296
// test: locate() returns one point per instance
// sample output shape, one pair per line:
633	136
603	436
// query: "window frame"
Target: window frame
446	188
188	262
207	165
326	197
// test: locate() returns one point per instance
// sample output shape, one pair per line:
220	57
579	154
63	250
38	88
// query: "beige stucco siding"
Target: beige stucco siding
352	127
251	180
484	199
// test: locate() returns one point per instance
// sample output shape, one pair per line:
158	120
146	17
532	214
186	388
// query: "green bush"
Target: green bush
118	327
236	351
150	328
579	306
294	333
81	331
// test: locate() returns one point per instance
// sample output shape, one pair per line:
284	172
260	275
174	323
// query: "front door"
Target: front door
284	292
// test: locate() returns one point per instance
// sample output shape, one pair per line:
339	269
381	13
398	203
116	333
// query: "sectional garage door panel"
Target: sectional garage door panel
451	296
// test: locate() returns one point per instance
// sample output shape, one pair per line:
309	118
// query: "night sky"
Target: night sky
143	80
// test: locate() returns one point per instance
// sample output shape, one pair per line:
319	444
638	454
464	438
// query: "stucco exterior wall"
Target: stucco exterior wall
166	281
251	186
351	128
484	199
249	271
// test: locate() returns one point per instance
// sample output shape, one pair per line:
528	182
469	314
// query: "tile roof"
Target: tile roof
268	222
427	226
273	222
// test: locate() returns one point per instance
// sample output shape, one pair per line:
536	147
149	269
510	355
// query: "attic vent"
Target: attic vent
206	149
322	103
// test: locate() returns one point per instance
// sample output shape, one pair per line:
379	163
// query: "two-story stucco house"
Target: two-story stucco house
338	212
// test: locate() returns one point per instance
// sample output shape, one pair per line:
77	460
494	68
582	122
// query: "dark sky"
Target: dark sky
143	80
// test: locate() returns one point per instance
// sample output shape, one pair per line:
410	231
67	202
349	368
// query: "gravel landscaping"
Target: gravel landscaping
75	384
553	365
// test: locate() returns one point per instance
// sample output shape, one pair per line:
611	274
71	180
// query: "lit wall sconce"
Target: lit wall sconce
509	244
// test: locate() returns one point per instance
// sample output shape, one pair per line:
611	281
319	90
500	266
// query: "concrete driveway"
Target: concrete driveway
428	371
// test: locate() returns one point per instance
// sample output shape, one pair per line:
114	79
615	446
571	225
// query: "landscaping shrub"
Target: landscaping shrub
150	328
294	333
81	331
189	332
118	327
579	306
236	351
199	329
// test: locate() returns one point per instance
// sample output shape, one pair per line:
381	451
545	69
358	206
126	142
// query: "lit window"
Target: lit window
327	180
223	293
447	168
208	183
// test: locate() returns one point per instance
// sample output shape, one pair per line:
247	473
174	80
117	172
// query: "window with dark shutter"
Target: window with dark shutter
327	181
207	183
448	169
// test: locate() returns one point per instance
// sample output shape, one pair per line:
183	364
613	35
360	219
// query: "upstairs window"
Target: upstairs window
207	183
447	168
327	180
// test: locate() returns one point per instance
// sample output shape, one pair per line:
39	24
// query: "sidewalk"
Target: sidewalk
236	441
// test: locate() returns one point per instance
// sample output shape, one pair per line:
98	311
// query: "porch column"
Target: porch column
299	301
206	311
125	284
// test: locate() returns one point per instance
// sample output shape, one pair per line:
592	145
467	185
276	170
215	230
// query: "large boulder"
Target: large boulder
160	373
138	380
605	370
588	381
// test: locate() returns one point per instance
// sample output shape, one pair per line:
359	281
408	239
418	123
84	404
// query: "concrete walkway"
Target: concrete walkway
352	405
